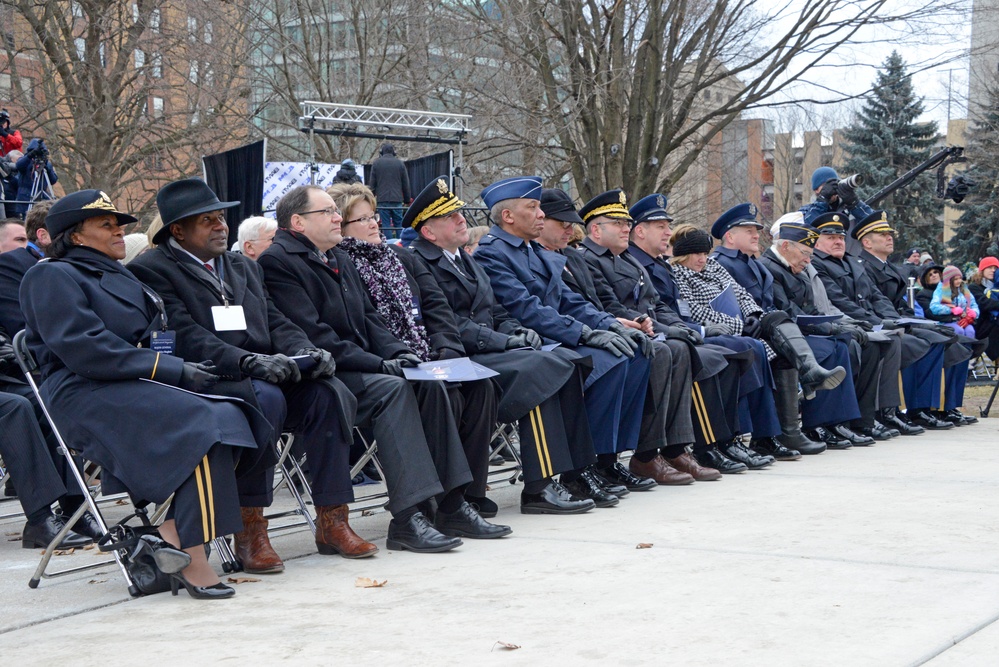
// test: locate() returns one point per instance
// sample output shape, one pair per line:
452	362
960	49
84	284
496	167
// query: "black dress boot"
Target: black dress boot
787	341
892	418
772	447
786	399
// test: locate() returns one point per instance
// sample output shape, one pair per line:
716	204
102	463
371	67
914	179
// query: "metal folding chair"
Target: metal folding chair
506	438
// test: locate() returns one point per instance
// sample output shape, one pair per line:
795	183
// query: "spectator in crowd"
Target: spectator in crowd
390	183
255	235
347	173
12	234
200	284
14	264
475	235
318	288
910	266
542	391
925	259
135	245
92	326
414	310
10	138
32	170
8	182
952	297
527	281
982	287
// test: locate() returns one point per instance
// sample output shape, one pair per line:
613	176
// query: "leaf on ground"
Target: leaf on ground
505	646
97	581
242	580
364	582
121	501
88	547
644	545
62	552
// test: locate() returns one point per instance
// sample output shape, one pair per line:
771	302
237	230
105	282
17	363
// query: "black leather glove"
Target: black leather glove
198	377
863	324
679	332
891	324
325	364
829	190
6	351
608	340
448	353
533	339
639	340
847	195
395	366
718	329
516	341
273	368
856	333
752	326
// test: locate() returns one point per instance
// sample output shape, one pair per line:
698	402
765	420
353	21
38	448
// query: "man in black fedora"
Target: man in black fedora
220	310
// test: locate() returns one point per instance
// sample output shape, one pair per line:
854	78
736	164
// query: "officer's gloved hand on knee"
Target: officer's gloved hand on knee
532	337
608	340
718	329
198	377
752	327
680	332
273	368
325	364
517	341
395	366
639	338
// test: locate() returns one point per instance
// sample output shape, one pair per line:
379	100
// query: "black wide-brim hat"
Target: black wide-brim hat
182	199
71	210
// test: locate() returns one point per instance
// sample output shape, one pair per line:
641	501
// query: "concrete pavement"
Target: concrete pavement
886	555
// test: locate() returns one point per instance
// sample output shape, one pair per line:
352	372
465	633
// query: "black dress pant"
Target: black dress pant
206	505
666	415
475	406
714	407
27	456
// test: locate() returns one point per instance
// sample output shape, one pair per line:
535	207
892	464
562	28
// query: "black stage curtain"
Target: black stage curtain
238	175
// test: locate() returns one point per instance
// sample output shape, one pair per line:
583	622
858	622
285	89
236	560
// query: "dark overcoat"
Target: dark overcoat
749	273
889	280
88	323
13	265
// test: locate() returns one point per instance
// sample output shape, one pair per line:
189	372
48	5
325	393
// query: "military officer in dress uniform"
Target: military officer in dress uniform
876	237
852	291
318	288
542	391
739	233
221	312
527	282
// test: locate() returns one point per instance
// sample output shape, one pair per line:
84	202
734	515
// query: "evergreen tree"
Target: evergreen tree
884	142
976	232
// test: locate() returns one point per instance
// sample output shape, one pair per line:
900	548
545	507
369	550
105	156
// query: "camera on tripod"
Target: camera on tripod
40	154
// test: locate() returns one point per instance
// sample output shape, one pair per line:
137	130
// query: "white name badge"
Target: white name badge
229	318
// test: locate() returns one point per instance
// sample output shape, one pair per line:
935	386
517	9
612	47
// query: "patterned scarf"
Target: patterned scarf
385	277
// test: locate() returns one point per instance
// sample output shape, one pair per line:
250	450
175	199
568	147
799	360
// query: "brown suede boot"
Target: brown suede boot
335	536
252	546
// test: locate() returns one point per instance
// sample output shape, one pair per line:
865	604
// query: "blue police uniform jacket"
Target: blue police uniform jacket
749	273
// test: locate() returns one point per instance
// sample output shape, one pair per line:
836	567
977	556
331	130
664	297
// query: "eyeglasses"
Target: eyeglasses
328	212
620	224
366	218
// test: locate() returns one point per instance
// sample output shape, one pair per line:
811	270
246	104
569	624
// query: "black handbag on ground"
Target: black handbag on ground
137	546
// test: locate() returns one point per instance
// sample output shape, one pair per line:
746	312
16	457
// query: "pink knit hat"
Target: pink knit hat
949	273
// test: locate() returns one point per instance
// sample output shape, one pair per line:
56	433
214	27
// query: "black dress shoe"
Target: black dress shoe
892	432
87	525
966	419
218	591
587	486
486	508
619	490
773	448
831	440
928	421
618	474
844	432
712	458
466	522
876	432
738	452
553	499
892	418
38	535
955	417
497	460
419	536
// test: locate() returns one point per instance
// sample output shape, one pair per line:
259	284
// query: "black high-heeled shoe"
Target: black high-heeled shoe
217	591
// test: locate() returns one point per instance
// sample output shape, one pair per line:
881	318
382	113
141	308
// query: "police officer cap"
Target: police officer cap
876	222
650	209
518	187
830	223
71	210
557	204
433	201
799	233
184	198
743	215
821	175
613	204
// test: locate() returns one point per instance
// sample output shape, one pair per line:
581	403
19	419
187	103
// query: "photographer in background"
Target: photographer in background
32	171
10	140
8	180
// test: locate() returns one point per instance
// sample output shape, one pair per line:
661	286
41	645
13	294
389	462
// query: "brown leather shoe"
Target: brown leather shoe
252	545
335	536
688	464
659	470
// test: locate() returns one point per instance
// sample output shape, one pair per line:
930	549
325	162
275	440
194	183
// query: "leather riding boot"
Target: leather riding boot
252	546
335	536
786	400
786	339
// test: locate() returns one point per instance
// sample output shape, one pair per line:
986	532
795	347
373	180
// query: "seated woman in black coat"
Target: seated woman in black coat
103	344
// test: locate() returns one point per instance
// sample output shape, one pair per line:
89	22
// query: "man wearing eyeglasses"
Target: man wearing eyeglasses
318	287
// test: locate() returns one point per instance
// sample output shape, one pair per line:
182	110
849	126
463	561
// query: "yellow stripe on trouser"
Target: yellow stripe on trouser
701	418
537	443
901	391
544	442
203	479
943	390
699	398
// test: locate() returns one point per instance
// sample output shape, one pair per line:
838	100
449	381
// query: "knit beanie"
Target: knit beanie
949	273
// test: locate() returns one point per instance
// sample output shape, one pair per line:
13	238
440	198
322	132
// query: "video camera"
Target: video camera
958	188
40	154
4	118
